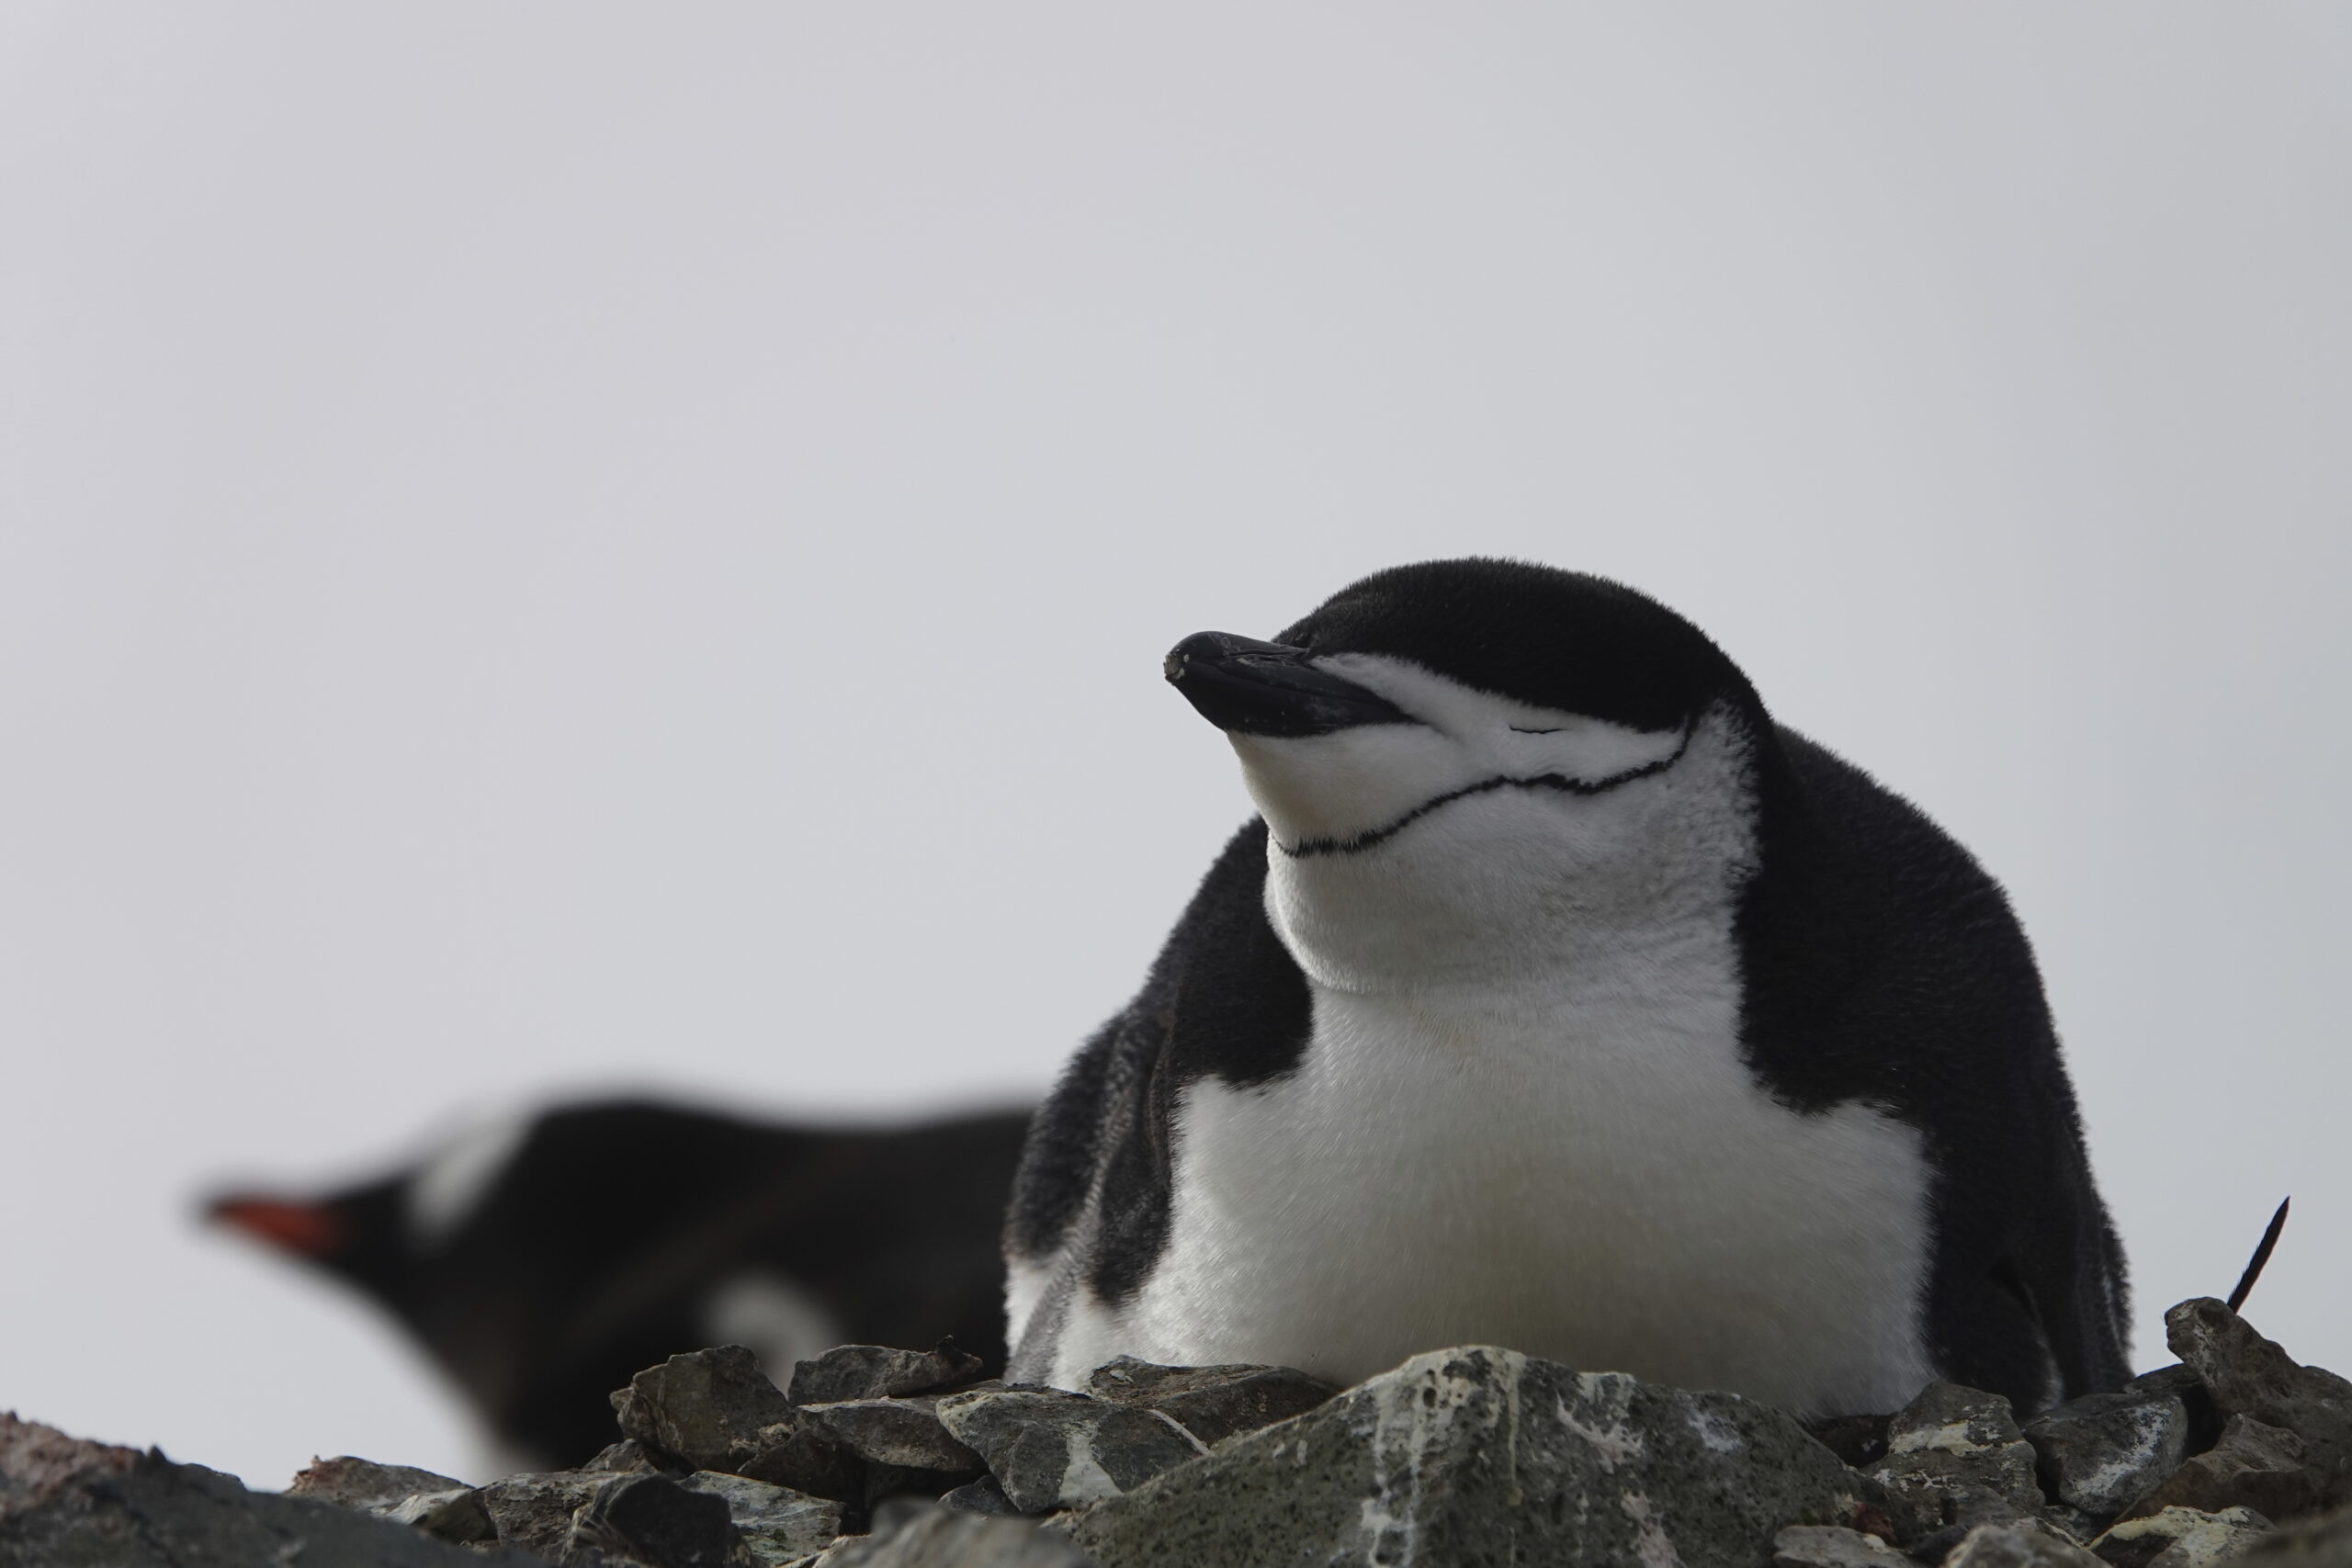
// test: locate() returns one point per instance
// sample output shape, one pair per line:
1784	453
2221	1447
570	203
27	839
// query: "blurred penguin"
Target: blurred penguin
543	1260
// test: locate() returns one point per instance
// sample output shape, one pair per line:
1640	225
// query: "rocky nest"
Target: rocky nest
879	1457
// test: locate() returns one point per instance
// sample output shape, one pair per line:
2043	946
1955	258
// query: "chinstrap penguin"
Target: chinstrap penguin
1560	999
543	1260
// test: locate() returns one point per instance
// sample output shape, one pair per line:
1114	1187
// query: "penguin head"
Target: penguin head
1461	763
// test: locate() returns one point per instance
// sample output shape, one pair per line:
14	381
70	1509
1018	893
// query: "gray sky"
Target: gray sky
554	546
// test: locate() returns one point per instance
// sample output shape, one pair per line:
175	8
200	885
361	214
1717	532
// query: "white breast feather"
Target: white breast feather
1522	1118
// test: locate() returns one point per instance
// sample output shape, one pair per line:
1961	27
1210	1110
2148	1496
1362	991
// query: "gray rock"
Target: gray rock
2018	1546
2253	1466
2322	1540
981	1496
1051	1449
457	1514
66	1502
1833	1546
777	1524
2248	1375
532	1510
877	1371
1859	1440
711	1408
363	1484
1955	1460
651	1521
629	1457
1483	1455
2104	1451
903	1432
806	1459
2181	1537
1211	1402
941	1538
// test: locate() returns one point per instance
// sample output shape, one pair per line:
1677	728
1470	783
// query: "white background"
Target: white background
547	546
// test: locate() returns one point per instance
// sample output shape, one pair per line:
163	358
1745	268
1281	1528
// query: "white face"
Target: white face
1489	834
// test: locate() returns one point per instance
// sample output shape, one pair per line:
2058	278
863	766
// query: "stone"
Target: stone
804	1457
2322	1540
2253	1466
653	1521
777	1524
1955	1460
877	1371
629	1457
365	1485
2017	1546
981	1496
711	1408
1483	1455
903	1432
1051	1449
1211	1402
1833	1546
2181	1537
2183	1383
457	1514
2102	1453
2248	1375
1860	1441
532	1510
65	1501
934	1536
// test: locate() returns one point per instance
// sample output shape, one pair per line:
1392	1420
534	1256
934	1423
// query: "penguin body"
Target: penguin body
1560	999
544	1260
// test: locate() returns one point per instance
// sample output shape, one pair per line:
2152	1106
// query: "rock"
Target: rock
877	1371
1482	1455
629	1457
777	1524
365	1485
2183	1383
981	1496
440	1505
804	1457
1211	1402
903	1432
2322	1540
534	1510
1955	1460
2253	1466
943	1538
1833	1546
1051	1449
2248	1375
64	1501
1859	1440
2104	1451
2017	1546
2181	1537
653	1521
456	1516
710	1408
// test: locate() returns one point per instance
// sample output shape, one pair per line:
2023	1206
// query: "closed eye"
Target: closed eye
1555	730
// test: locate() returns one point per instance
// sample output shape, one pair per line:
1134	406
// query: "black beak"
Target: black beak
1247	687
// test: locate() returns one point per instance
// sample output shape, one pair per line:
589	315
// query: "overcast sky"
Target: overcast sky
553	545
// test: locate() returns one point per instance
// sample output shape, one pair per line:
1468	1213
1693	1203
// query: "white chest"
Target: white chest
1588	1176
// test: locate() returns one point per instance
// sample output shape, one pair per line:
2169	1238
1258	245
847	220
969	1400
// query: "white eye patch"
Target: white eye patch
1352	787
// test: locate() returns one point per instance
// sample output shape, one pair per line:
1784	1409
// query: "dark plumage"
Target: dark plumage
607	1238
1879	969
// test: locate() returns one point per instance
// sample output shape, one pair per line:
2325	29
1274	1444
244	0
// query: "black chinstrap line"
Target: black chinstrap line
1559	782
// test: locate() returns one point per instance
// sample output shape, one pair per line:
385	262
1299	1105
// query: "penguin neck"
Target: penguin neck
1520	897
